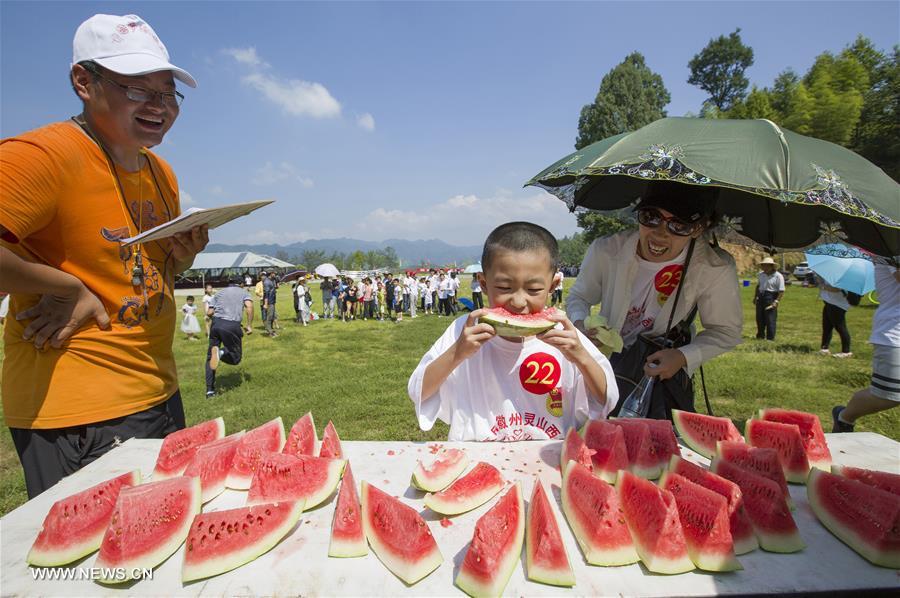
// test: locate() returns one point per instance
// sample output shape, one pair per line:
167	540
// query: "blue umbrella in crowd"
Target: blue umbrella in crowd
843	267
473	269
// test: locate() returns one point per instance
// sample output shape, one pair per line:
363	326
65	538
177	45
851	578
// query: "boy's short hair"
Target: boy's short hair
520	237
190	297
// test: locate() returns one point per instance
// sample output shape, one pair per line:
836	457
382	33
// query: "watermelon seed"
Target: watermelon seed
218	536
268	513
212	529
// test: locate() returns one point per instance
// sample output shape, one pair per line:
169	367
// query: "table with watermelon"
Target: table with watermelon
620	507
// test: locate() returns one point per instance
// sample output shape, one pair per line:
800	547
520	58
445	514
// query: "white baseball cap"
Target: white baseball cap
126	45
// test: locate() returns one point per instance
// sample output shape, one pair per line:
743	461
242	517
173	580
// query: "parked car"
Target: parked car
802	271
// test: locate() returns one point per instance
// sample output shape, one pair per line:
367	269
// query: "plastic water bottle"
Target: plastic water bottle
637	404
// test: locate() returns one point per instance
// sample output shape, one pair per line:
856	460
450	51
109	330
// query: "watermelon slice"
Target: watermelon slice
282	477
468	492
863	517
447	466
398	535
704	520
506	323
75	525
546	559
765	505
224	540
642	460
702	432
496	547
211	464
302	438
739	524
889	482
652	517
810	431
592	509
348	539
255	444
575	449
178	448
662	440
784	438
331	443
763	461
148	524
610	453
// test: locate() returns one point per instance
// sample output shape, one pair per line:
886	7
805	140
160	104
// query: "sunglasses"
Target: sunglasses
652	218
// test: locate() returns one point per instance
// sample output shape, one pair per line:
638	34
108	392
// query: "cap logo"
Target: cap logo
122	29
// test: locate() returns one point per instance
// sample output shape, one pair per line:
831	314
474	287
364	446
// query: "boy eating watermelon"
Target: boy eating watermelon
490	377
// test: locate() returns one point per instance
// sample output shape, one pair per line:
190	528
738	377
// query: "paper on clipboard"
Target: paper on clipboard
192	217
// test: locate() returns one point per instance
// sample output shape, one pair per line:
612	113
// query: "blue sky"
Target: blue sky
406	120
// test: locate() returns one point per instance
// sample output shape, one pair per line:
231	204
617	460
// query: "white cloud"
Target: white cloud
267	237
467	219
269	174
246	56
296	97
185	199
366	121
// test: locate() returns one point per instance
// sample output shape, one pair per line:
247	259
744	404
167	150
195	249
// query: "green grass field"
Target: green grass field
356	373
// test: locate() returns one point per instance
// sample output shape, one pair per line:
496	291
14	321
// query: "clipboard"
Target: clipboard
212	217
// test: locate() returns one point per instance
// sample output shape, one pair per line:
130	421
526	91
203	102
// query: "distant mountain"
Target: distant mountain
431	251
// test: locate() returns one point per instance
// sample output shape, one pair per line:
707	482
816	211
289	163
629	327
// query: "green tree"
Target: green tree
782	91
390	258
836	85
630	96
719	69
312	258
800	108
598	225
756	105
572	249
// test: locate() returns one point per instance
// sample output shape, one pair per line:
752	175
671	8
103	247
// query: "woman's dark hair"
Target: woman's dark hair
520	237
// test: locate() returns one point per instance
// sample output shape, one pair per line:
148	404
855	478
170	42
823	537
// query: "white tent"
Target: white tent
215	265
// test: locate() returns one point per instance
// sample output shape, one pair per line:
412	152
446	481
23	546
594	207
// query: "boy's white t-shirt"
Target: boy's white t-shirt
510	391
443	289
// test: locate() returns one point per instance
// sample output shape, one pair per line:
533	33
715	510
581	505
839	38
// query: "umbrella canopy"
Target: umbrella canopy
843	267
327	270
473	269
776	187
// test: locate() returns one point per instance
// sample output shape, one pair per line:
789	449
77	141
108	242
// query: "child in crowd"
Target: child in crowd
189	324
398	299
207	297
496	388
426	296
381	300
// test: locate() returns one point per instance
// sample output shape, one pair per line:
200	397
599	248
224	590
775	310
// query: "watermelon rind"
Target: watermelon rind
162	512
253	447
448	465
851	510
704	520
543	542
506	323
233	521
702	432
302	439
282	477
67	534
348	511
811	433
889	482
331	443
602	511
179	447
468	492
652	518
487	549
398	535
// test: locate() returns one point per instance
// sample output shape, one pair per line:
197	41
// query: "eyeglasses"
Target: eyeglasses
652	218
172	99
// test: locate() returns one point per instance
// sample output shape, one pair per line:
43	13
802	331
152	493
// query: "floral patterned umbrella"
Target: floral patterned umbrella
778	188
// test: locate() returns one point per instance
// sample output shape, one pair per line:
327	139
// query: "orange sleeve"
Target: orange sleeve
29	186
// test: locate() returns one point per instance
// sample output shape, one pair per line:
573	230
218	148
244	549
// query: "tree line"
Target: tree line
355	260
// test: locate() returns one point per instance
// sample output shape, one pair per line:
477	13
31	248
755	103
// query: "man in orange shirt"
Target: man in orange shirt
88	357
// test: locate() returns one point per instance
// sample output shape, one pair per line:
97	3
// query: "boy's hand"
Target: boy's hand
473	336
565	339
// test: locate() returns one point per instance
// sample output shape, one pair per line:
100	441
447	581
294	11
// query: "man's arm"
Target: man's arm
185	246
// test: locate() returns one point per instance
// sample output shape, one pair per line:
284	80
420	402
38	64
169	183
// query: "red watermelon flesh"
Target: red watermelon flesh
642	459
594	513
495	548
652	517
507	323
447	466
178	448
810	431
889	482
610	453
763	461
575	449
283	477
765	505
545	555
702	432
468	492
257	443
331	443
739	524
399	536
148	524
863	517
224	540
704	520
348	539
302	438
75	525
662	440
784	438
211	464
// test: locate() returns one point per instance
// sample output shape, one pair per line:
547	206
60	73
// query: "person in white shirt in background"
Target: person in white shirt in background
769	291
425	289
301	292
207	297
477	300
412	291
834	317
556	293
443	293
453	293
434	282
